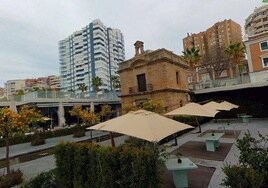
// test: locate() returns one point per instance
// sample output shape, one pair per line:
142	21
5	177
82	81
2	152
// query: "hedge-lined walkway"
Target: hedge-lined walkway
34	167
20	149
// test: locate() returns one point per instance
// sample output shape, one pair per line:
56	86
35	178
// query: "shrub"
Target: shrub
90	165
241	176
79	132
252	170
38	139
43	180
50	134
12	179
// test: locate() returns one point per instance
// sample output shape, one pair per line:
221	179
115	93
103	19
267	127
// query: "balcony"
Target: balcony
135	89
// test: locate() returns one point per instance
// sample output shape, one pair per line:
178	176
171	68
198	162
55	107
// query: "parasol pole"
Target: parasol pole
198	124
112	139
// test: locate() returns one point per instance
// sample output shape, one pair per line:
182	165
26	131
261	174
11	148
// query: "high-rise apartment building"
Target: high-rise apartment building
93	51
220	35
257	22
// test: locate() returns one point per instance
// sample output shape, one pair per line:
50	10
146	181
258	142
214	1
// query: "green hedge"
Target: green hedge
43	180
87	165
49	134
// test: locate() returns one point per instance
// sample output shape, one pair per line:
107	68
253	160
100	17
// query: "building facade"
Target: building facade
158	74
54	82
256	43
214	62
40	83
93	51
220	35
257	22
13	86
257	52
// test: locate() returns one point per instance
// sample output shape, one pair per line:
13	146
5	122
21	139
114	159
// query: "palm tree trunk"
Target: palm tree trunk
7	154
193	79
237	73
97	95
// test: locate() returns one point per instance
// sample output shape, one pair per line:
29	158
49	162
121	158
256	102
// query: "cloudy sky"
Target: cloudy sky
30	29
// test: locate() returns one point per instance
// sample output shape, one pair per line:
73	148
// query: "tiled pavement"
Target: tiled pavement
34	167
254	126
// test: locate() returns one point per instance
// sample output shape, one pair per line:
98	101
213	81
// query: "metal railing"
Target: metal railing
135	89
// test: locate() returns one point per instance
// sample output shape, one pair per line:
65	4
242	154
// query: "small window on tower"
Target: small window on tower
178	77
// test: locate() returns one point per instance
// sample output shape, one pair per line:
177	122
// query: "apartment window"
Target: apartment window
264	45
141	82
265	61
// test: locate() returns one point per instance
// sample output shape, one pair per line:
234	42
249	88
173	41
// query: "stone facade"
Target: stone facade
158	74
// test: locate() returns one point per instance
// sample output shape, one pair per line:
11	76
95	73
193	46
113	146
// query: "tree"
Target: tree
96	83
106	112
236	52
12	123
88	117
153	106
76	111
83	88
216	61
191	57
115	82
20	92
127	108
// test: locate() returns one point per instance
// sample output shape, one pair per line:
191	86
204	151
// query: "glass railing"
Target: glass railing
112	95
207	84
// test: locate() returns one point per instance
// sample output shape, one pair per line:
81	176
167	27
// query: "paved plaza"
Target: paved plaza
32	168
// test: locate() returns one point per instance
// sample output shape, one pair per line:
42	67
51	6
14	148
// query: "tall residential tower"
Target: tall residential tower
93	51
220	35
257	22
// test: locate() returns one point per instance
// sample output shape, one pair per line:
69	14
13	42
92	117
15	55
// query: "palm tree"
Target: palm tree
83	87
191	56
236	52
115	82
96	83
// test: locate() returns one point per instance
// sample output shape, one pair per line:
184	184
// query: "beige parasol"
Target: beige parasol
193	109
142	124
231	105
217	106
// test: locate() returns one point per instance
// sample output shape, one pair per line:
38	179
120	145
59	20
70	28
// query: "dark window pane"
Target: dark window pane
141	82
264	46
265	61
